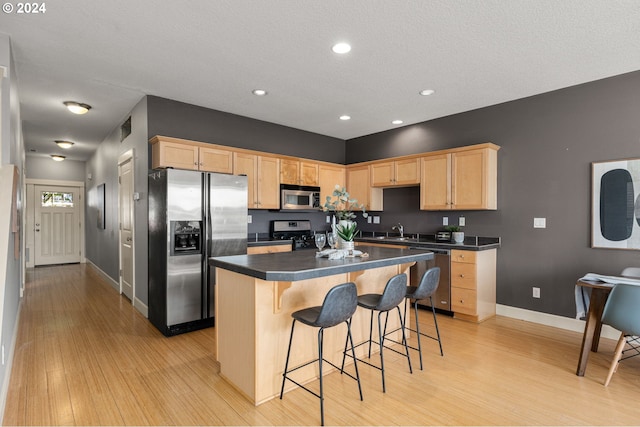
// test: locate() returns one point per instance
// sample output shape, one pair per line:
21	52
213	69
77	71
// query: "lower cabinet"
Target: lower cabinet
473	284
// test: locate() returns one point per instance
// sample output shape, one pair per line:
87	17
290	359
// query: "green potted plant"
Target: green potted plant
342	206
457	235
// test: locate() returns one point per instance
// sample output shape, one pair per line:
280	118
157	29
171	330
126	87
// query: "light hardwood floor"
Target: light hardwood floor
84	356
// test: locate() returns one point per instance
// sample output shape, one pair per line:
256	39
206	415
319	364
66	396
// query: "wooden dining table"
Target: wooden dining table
593	326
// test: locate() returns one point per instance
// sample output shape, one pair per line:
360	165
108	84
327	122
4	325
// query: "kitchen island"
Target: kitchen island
256	294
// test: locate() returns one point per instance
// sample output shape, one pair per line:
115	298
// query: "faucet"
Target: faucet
399	228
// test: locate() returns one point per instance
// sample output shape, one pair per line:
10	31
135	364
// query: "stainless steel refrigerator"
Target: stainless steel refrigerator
192	216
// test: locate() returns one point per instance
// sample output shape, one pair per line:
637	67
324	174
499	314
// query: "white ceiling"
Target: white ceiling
213	53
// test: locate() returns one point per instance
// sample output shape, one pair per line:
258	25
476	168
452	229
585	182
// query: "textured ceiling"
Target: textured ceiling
213	53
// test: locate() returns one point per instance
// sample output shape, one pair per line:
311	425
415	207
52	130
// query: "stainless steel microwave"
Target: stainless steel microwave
299	197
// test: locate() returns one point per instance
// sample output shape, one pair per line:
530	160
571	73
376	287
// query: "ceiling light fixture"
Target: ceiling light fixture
57	157
259	92
77	107
427	92
64	144
341	48
345	117
397	122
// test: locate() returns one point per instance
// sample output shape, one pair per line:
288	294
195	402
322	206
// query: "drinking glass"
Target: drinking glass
321	239
331	240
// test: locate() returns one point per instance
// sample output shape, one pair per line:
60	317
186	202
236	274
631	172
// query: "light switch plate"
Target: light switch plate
445	220
461	221
249	219
376	220
369	219
539	222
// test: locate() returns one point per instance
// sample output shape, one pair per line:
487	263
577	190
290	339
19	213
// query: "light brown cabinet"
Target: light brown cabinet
359	187
398	173
460	180
168	154
328	177
298	172
473	284
263	177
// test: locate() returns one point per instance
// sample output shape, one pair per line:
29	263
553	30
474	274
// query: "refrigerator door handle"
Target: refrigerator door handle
206	181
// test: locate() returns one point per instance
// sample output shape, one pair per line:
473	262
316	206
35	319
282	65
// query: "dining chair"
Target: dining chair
631	272
622	312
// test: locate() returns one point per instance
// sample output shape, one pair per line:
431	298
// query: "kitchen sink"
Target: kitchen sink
395	239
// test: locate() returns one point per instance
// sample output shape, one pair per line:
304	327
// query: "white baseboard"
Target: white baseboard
141	307
137	303
552	320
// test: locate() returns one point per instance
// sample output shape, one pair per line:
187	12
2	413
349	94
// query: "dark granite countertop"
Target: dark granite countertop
471	243
301	265
267	242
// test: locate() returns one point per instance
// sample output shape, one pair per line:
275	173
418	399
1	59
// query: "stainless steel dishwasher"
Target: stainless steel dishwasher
442	259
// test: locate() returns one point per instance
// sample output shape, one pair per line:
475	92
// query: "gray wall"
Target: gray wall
544	170
11	152
180	120
102	245
45	168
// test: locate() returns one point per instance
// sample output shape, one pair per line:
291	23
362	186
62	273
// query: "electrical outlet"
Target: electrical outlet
369	219
328	220
461	221
539	222
376	220
536	292
249	219
445	220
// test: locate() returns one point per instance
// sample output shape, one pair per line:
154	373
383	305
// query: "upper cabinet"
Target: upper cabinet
398	173
169	154
328	177
262	175
359	187
298	172
462	179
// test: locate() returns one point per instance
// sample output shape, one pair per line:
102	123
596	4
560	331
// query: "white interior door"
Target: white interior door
125	207
57	225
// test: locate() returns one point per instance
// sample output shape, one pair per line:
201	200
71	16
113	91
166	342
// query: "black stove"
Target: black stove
299	231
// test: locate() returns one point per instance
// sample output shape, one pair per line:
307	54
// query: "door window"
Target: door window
51	199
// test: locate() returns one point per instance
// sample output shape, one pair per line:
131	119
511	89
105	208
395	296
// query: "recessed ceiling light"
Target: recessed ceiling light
57	157
64	144
427	92
77	107
397	122
345	117
259	92
341	48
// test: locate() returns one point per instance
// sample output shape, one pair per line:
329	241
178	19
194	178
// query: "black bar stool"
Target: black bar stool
425	290
393	294
339	305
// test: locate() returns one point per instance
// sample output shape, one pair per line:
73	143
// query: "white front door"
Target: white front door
57	225
125	207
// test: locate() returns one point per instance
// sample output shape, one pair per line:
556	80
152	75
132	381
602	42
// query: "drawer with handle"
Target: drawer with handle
463	275
464	301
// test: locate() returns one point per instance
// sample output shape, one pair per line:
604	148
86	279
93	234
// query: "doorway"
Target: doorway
55	229
126	221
